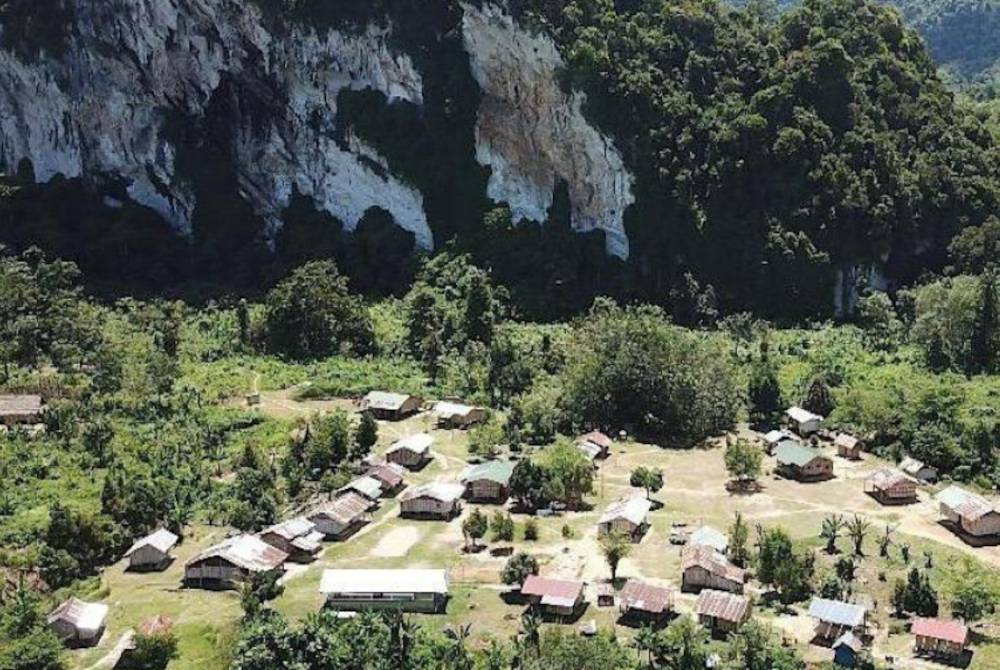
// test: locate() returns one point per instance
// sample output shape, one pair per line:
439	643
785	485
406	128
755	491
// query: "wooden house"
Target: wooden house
456	415
391	406
802	421
20	409
230	562
340	518
918	470
390	475
834	618
78	623
298	537
702	567
423	591
891	487
413	451
365	486
488	481
628	517
802	463
773	438
940	638
640	601
153	551
848	446
971	513
594	445
432	501
554	597
722	612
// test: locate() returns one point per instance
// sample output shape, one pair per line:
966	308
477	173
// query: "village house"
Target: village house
834	618
228	563
594	445
721	612
802	463
297	537
553	597
628	517
367	487
391	406
20	409
640	601
154	626
891	487
773	438
919	470
940	638
802	421
702	567
847	650
78	623
340	518
152	552
456	415
432	501
709	537
968	512
390	475
413	451
848	446
488	482
423	591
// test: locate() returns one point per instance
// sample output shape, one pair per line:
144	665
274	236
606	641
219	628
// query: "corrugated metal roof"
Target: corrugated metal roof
633	510
722	605
84	616
589	449
494	471
556	592
776	436
419	443
162	540
367	486
837	612
390	474
451	410
709	537
846	441
646	597
345	509
292	528
912	466
796	453
799	415
598	438
245	551
941	629
709	559
385	400
886	478
438	491
851	640
965	503
383	581
20	405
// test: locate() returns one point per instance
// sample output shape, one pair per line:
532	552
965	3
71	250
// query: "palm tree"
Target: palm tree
857	529
646	642
833	526
885	541
530	630
457	654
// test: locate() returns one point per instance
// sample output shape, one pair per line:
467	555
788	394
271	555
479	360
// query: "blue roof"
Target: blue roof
837	612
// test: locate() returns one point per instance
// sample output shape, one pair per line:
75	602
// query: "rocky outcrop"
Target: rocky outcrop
532	134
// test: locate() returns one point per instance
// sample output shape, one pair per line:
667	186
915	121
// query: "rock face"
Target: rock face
532	134
107	105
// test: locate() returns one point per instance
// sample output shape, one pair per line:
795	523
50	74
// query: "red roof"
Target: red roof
941	629
387	474
722	605
646	597
710	560
552	588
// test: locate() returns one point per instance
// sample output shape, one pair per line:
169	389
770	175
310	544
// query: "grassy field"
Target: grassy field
694	493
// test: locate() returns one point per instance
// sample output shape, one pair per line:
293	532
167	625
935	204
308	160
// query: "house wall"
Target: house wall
406	458
697	578
407	602
147	557
986	525
214	571
486	489
618	526
934	646
429	507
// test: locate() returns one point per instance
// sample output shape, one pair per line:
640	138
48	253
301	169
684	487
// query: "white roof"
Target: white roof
83	616
444	492
965	503
162	540
912	466
800	415
246	551
633	510
775	436
292	528
452	409
384	581
386	400
709	537
589	449
367	486
418	443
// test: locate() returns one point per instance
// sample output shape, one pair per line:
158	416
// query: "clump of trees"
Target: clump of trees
561	474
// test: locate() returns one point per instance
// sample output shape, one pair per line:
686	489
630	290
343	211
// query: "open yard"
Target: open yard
567	547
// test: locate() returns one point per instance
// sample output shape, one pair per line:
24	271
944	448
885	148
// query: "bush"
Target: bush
518	568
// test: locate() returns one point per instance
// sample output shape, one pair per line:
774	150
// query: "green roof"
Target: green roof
497	471
796	453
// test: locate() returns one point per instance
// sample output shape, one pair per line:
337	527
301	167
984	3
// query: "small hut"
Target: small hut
918	470
971	513
20	409
835	617
941	638
848	447
413	451
297	537
628	517
802	421
704	568
801	463
594	445
488	481
555	597
390	406
153	551
366	486
644	602
456	415
775	437
390	475
78	623
342	517
891	487
722	613
432	501
847	650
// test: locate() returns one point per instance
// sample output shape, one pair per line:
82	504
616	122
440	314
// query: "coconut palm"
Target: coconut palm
833	526
857	530
885	541
646	642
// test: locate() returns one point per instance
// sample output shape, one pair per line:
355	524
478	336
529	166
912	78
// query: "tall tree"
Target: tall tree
983	348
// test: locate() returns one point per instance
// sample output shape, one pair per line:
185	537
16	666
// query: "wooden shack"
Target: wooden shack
773	438
228	563
298	537
847	650
702	567
639	601
391	406
488	481
413	451
424	591
390	475
721	612
802	421
432	501
972	514
457	415
918	470
152	552
553	597
78	623
940	638
801	463
365	486
20	409
834	618
628	517
848	446
594	445
891	487
342	517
